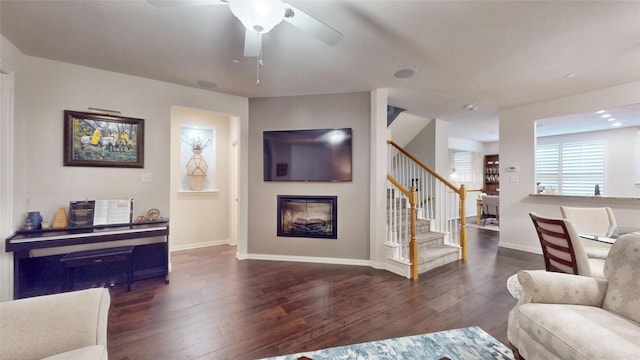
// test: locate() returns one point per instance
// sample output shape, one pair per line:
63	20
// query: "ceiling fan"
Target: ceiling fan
260	16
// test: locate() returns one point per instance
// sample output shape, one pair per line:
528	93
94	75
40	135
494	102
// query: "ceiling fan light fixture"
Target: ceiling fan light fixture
258	15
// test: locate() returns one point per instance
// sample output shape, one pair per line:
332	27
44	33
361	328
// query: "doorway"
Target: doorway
207	216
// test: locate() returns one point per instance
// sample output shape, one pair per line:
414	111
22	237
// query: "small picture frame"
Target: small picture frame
101	140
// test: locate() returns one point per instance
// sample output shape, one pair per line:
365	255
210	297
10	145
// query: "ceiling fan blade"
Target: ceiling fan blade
252	43
178	3
311	25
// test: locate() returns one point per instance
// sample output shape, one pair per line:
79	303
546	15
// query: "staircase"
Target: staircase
425	229
432	250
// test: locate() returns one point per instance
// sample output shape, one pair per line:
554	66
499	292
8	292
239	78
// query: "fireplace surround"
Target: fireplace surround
308	216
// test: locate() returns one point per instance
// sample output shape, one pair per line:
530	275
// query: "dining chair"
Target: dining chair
562	249
490	208
598	221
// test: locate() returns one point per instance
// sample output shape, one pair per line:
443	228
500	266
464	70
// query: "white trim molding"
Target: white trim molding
7	85
200	245
310	259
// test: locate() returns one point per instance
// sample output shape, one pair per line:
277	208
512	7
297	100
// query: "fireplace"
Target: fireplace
308	216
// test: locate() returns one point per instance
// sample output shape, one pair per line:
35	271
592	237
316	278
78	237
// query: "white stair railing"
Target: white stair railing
401	223
437	200
398	223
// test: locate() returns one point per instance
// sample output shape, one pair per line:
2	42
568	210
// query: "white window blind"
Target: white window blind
548	165
573	168
461	167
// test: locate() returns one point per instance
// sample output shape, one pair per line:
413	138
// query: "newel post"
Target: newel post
463	222
413	244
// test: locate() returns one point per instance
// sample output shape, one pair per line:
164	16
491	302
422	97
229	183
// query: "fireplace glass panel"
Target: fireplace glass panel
307	216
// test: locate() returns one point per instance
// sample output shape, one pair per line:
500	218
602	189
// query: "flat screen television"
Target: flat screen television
307	155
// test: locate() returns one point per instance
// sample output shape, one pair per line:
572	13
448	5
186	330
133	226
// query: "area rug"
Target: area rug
470	343
514	287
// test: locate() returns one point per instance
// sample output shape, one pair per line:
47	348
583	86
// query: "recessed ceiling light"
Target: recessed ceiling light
236	61
606	115
569	76
611	119
470	107
600	112
404	73
207	84
616	124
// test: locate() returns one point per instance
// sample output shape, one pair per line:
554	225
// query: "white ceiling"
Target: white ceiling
492	54
603	119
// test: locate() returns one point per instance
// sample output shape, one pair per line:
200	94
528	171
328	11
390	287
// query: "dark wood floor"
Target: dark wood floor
219	308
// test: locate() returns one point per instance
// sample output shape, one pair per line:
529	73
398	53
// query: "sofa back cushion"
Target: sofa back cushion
622	270
41	326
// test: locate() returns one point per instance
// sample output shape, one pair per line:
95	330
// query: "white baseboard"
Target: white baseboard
199	245
309	259
396	267
535	250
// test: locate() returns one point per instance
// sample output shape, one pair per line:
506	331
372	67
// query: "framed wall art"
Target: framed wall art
103	140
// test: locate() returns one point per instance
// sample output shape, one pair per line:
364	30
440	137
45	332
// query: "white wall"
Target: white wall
441	146
491	148
405	127
517	147
378	194
48	88
311	112
10	65
200	218
45	88
431	146
465	145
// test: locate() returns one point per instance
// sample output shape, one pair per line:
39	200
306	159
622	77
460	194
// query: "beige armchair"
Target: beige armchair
563	316
70	325
598	221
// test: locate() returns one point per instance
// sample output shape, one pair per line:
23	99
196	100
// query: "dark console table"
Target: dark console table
37	254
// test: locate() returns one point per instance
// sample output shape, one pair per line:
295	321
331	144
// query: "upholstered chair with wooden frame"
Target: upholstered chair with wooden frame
598	221
490	208
562	248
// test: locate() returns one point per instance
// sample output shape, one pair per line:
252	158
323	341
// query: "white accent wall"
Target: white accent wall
10	63
517	148
45	88
194	212
378	178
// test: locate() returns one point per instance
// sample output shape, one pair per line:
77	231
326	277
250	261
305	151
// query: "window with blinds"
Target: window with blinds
573	168
461	167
